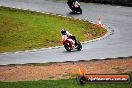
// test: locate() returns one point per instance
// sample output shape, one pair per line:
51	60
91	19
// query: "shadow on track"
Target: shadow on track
73	51
73	13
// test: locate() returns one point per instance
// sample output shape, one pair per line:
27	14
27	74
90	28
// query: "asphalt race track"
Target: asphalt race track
119	44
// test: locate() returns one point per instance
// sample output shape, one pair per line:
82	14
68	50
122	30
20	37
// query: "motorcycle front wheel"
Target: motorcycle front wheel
67	47
79	46
80	11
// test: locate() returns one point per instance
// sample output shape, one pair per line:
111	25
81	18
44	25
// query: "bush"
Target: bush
119	2
123	2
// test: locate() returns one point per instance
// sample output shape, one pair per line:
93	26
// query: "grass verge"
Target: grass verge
25	30
63	83
9	72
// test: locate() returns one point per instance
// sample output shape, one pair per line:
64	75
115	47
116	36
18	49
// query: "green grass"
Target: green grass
22	30
64	83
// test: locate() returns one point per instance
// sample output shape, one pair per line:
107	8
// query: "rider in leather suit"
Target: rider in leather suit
64	32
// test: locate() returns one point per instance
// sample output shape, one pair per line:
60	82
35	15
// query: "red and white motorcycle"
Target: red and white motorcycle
70	44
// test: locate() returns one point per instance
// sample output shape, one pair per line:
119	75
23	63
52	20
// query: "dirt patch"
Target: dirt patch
64	70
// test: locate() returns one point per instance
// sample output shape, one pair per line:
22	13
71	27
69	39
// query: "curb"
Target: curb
109	31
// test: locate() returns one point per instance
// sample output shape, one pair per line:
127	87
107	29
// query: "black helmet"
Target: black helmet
63	31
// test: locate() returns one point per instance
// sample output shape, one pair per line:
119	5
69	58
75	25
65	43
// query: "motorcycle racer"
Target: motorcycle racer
74	5
70	2
64	32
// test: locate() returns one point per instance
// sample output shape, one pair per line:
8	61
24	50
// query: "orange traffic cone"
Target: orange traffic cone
99	23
